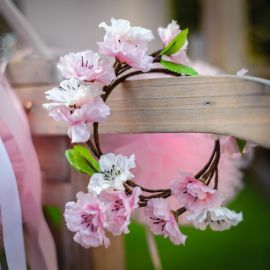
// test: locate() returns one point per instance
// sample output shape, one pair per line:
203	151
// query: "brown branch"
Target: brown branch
92	147
133	73
180	211
215	162
96	138
216	179
206	166
159	195
127	189
132	184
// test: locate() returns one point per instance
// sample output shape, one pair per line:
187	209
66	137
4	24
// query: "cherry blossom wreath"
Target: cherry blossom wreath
112	194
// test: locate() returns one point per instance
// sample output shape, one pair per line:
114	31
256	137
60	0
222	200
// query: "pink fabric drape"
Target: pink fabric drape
15	133
160	156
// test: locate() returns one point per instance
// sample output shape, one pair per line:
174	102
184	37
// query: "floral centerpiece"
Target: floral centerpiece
113	194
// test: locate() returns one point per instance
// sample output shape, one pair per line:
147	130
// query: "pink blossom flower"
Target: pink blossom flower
166	35
86	66
78	118
128	44
194	194
118	208
162	221
85	218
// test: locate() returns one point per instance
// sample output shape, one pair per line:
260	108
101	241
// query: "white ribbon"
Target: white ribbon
11	214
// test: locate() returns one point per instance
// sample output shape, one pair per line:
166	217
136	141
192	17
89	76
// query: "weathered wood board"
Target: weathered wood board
238	106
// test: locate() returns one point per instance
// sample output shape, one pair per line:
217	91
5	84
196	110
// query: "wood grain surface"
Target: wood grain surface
230	105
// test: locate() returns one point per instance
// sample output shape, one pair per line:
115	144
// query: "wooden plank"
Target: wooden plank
39	71
238	106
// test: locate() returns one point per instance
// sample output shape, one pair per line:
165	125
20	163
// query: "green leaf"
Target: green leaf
81	159
179	68
84	152
241	144
176	43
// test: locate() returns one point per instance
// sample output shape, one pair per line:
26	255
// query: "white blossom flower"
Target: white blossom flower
115	170
77	104
218	219
72	93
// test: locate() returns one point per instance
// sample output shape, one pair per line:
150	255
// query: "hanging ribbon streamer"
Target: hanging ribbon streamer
11	214
152	246
16	136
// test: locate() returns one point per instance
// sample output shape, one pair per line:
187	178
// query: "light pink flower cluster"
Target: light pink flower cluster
91	216
77	101
112	195
203	203
127	44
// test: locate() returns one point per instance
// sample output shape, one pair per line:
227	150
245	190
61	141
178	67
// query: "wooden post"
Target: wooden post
224	30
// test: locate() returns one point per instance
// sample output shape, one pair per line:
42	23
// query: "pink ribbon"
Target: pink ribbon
16	137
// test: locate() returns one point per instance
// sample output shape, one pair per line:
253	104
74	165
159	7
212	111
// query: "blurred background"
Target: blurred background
229	34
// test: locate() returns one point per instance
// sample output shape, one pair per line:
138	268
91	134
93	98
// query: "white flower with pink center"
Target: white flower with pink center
218	219
115	171
127	43
86	66
85	218
194	194
162	221
77	104
118	208
166	35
